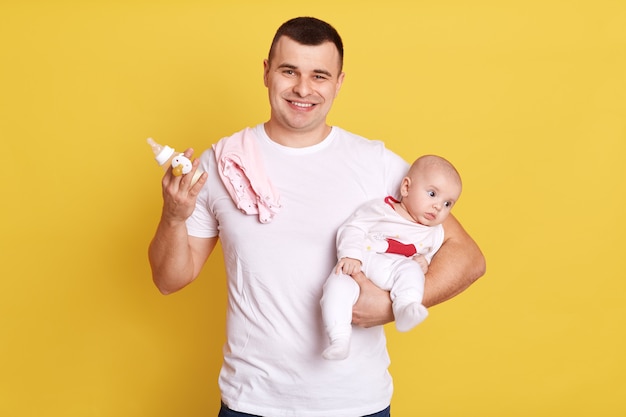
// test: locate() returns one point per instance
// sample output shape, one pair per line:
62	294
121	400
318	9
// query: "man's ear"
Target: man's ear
266	70
339	83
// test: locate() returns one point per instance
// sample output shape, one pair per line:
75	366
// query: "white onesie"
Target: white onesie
360	237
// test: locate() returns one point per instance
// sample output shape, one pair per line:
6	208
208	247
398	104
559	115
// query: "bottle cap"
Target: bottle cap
164	155
161	153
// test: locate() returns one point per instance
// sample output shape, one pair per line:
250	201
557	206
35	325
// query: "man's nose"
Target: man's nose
302	87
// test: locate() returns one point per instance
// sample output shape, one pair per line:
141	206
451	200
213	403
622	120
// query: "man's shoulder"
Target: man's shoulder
343	132
374	147
355	140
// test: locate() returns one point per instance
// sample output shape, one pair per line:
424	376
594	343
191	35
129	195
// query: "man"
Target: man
276	265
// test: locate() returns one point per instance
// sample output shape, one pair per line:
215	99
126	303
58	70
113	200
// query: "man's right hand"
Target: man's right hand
176	258
373	308
179	196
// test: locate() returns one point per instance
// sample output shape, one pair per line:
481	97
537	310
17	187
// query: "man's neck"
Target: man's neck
294	138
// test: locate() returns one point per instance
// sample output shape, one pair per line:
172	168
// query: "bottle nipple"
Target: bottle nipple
161	153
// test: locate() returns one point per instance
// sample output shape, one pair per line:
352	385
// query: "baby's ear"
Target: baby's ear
404	186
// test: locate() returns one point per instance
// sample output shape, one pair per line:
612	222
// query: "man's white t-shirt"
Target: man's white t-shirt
273	363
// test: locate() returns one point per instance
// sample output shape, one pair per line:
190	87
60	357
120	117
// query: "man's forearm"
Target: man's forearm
171	257
457	264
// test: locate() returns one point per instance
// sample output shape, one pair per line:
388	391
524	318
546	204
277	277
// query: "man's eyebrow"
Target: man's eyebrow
316	71
324	72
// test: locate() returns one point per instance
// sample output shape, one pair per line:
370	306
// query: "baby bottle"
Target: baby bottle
166	156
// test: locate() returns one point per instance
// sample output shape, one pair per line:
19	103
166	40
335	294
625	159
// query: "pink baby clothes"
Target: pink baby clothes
241	170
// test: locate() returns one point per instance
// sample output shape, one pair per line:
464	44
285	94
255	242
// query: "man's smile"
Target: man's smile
300	104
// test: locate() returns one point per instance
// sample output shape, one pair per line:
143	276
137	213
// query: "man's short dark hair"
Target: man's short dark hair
309	31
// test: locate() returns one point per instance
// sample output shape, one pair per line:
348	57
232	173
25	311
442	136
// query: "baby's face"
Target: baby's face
429	195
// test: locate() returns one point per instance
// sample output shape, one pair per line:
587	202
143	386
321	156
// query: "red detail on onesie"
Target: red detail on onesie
400	248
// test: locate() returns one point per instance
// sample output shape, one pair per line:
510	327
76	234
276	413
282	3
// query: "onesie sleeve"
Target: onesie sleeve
437	235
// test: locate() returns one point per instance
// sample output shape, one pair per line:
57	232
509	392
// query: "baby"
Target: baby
392	242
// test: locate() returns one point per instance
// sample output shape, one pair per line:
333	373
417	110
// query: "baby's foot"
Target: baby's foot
339	349
409	315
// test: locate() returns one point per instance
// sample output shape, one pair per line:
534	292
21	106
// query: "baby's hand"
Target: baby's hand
421	260
348	266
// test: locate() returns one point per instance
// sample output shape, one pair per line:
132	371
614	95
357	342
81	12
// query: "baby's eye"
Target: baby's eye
432	193
448	204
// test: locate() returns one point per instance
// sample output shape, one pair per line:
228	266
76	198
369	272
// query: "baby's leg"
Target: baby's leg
407	293
340	294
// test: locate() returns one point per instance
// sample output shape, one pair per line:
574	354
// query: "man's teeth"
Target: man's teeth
295	103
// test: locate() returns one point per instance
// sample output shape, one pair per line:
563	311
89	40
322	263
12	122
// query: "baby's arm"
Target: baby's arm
348	266
421	260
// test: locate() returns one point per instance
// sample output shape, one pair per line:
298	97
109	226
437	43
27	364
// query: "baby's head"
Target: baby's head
430	190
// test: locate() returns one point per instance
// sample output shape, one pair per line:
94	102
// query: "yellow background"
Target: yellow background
527	98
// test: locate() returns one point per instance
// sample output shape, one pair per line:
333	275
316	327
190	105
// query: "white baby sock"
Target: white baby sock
408	315
339	347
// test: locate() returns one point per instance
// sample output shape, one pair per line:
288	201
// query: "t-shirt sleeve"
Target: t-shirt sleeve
203	223
396	169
